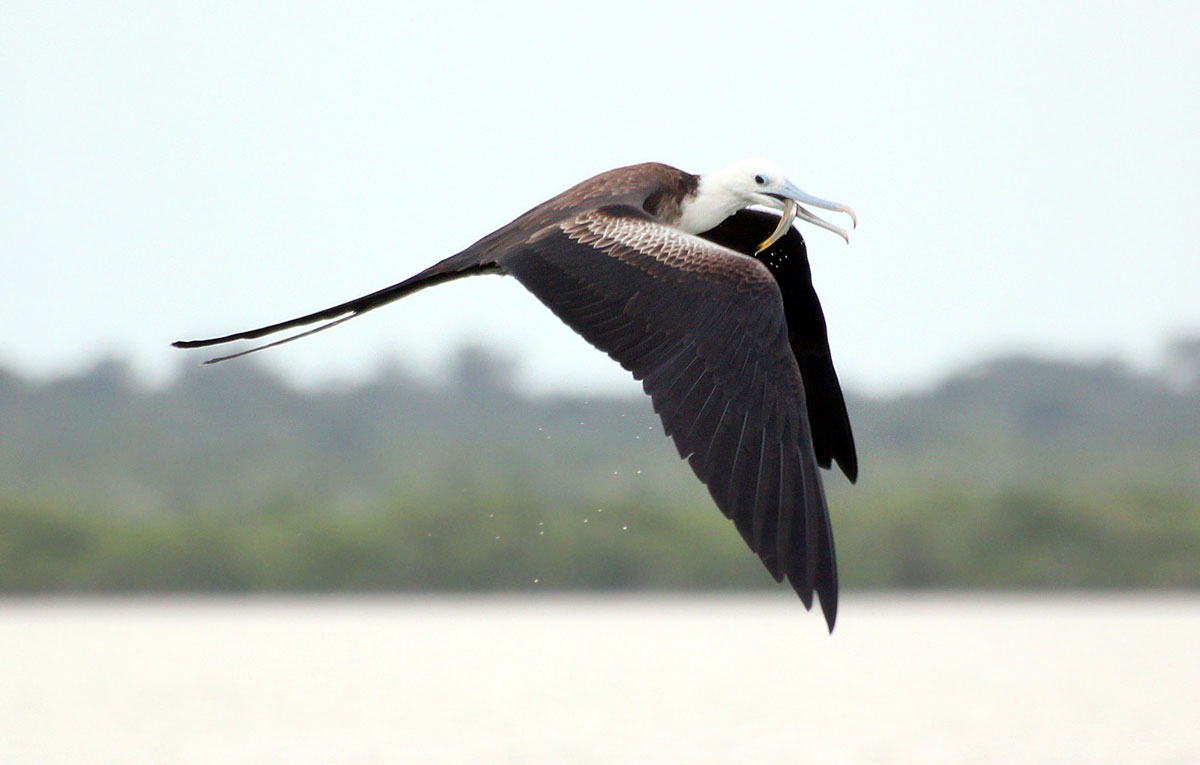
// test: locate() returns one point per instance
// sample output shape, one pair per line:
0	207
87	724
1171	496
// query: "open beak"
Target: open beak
790	198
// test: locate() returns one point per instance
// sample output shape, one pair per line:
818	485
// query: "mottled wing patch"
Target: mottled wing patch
632	238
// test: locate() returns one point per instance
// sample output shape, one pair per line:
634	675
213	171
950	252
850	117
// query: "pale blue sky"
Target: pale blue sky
1027	175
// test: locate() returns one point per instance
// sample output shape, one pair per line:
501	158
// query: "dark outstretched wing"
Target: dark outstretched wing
704	329
787	261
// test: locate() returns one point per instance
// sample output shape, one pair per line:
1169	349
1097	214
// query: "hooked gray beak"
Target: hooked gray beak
790	198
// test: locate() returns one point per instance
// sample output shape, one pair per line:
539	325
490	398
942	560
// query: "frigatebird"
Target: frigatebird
708	300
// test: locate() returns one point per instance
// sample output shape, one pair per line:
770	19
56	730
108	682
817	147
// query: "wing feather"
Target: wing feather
787	260
704	328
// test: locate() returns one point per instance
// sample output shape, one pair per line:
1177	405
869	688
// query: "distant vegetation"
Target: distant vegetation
1018	473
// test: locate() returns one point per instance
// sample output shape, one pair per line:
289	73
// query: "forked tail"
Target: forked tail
466	263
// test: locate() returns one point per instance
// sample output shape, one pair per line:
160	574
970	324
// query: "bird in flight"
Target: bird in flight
707	299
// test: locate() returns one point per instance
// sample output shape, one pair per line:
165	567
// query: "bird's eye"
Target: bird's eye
761	180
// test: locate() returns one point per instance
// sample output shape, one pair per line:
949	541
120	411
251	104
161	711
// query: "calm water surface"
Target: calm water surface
663	679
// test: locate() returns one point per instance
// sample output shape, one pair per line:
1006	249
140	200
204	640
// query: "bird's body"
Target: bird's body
711	306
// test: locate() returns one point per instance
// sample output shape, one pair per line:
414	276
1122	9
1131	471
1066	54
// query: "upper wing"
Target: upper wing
787	261
704	329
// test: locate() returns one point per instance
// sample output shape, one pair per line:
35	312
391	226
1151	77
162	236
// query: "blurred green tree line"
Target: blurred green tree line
1016	473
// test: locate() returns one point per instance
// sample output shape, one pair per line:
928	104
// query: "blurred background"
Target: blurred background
1021	472
1015	320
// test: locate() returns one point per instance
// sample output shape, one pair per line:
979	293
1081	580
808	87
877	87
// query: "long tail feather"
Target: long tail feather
463	264
265	346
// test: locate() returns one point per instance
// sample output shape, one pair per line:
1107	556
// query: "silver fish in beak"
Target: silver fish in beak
790	208
791	197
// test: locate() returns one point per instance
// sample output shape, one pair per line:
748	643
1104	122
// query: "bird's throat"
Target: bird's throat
707	208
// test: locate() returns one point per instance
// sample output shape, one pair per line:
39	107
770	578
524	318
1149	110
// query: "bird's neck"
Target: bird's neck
704	209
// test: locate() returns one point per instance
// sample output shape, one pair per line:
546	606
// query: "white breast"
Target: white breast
711	204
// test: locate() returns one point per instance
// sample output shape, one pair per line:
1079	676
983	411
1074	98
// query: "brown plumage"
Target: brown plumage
731	346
